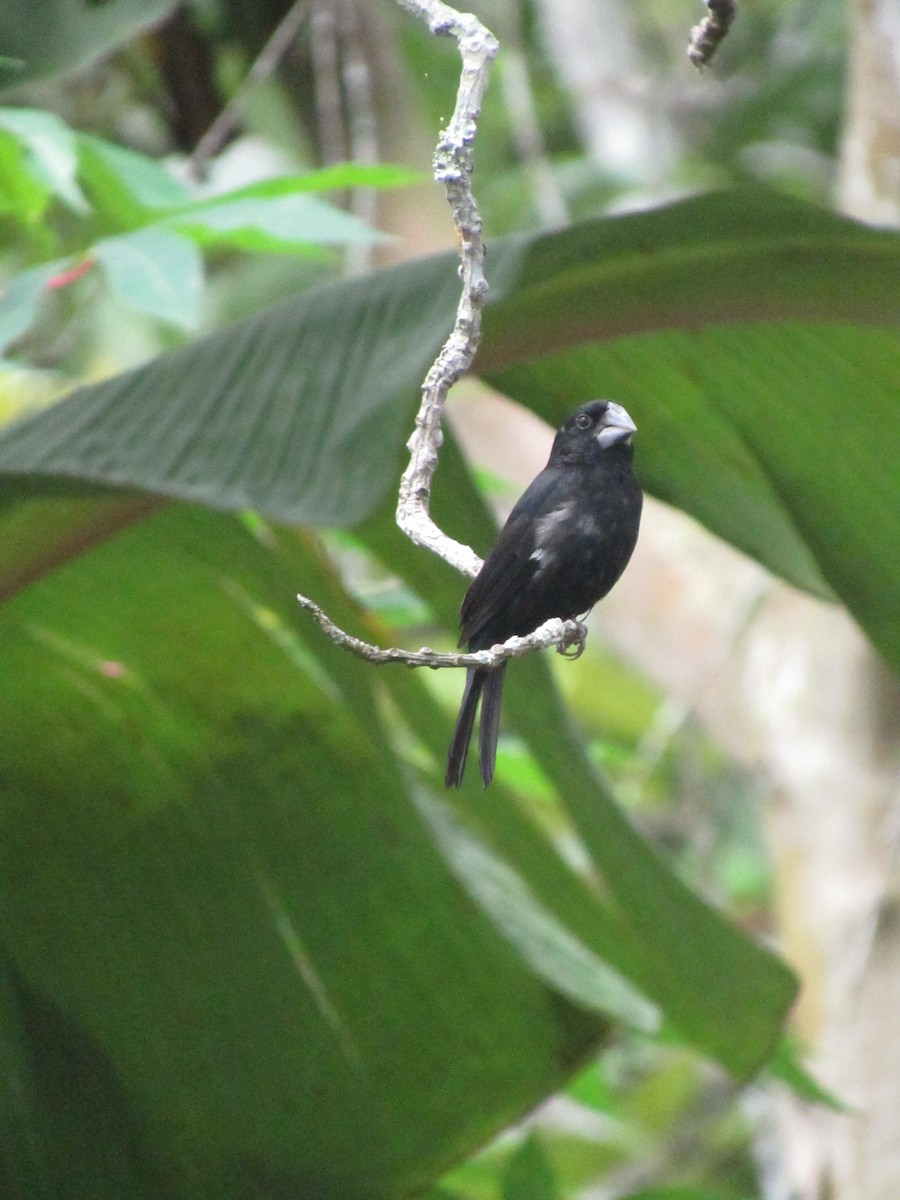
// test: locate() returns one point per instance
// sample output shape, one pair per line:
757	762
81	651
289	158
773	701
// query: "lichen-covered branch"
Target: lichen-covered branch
453	163
709	34
567	636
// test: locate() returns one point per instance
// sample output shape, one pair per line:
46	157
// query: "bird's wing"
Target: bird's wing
512	562
506	571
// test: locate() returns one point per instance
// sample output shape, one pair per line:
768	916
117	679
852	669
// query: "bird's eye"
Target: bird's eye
583	421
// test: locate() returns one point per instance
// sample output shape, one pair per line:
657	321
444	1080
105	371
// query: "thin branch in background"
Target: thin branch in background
453	164
262	67
518	96
327	82
362	127
709	34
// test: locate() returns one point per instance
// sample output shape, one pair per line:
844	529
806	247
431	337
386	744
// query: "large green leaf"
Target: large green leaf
777	434
235	963
722	992
218	899
56	36
215	802
800	418
300	412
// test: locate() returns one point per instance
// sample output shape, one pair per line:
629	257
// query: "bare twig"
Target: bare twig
567	636
324	38
265	63
453	167
361	128
515	83
709	34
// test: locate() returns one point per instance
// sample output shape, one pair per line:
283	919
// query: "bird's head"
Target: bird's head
597	425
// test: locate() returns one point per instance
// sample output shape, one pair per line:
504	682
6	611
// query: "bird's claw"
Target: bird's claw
574	642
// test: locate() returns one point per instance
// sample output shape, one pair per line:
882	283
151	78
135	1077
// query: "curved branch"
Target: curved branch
567	636
453	165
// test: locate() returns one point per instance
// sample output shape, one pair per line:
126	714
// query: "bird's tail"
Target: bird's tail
465	723
491	698
488	686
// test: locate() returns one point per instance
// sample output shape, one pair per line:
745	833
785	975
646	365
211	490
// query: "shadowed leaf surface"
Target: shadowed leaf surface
302	411
216	889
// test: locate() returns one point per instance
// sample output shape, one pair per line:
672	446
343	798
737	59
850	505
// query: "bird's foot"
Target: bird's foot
576	638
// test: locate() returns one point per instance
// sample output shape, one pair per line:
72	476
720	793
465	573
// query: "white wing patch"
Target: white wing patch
542	558
542	554
546	525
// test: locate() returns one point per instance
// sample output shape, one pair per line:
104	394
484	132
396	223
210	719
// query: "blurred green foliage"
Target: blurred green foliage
247	951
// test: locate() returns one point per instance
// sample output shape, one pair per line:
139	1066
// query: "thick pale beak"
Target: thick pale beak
617	426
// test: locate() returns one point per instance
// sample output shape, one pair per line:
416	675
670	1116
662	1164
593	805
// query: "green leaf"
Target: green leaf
58	1093
216	887
60	35
786	1066
278	215
730	406
554	953
338	177
52	150
735	256
23	196
277	223
156	272
21	297
759	413
529	1174
126	188
300	412
39	536
709	978
592	1089
743	421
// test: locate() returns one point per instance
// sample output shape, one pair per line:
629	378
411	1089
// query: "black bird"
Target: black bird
566	542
